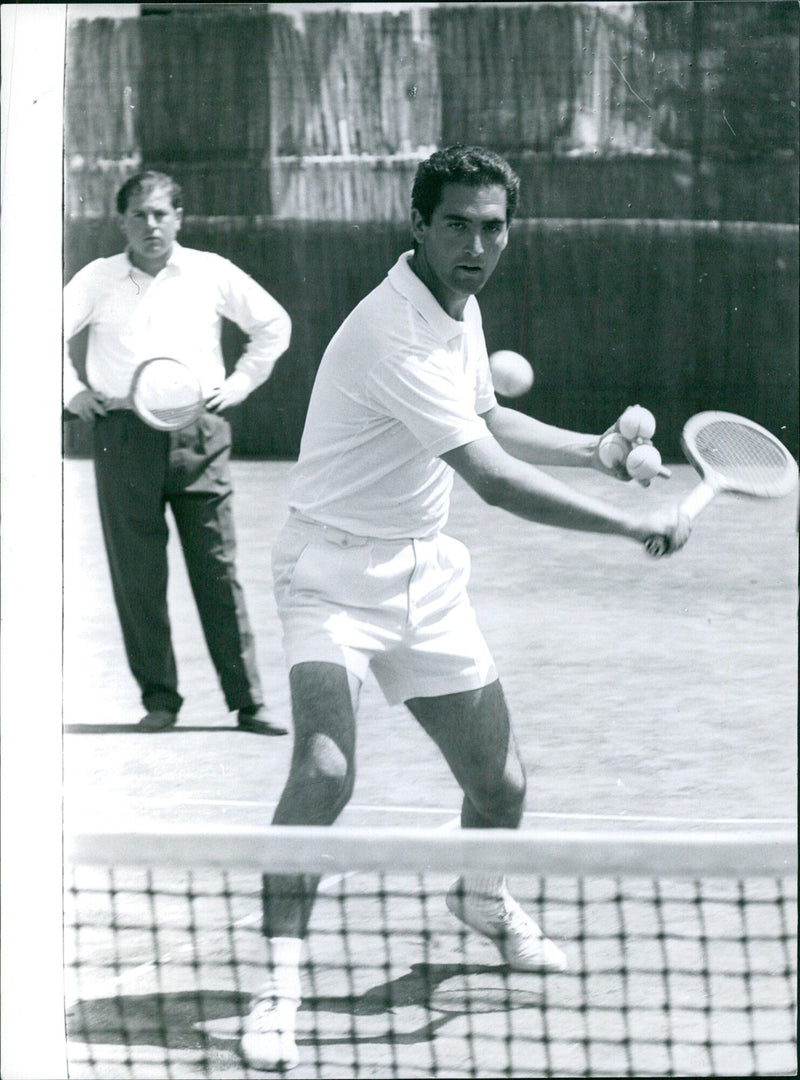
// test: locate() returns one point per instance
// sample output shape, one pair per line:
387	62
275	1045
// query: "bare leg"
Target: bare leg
473	731
321	776
320	782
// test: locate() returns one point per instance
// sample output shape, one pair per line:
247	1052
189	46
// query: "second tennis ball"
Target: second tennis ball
613	450
637	423
643	462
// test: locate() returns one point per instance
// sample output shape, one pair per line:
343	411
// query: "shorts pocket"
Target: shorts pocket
285	556
302	566
455	556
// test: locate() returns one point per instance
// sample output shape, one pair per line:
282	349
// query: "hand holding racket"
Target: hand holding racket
732	454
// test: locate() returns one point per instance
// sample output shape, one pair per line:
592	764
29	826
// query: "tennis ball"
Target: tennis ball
643	462
637	423
512	375
613	450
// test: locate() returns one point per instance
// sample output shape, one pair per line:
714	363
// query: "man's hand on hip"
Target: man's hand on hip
232	392
87	404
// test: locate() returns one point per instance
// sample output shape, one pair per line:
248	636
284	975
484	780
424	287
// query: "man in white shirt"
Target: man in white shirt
158	298
366	579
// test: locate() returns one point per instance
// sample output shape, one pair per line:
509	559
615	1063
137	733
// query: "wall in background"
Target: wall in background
679	316
655	258
667	110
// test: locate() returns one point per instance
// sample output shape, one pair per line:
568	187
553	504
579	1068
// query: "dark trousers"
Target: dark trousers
139	472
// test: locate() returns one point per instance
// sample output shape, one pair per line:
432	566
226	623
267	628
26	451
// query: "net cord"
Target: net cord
310	849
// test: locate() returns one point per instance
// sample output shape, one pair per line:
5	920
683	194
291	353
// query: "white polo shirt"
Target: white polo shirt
400	383
133	316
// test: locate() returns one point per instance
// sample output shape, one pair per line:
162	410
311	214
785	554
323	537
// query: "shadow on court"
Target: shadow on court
172	1020
441	987
195	1018
639	688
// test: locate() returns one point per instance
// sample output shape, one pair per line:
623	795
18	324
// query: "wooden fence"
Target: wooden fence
679	316
670	110
671	128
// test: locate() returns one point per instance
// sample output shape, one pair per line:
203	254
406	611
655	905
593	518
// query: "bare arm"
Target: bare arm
530	440
520	488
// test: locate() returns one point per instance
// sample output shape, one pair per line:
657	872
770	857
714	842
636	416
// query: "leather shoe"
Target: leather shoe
158	720
258	721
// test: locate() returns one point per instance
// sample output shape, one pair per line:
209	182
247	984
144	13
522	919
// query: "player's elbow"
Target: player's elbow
487	468
491	496
280	336
493	489
275	335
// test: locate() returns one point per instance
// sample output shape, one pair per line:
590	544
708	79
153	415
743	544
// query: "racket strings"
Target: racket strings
167	394
741	453
175	412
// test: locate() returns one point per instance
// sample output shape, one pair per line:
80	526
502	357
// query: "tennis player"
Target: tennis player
158	298
365	577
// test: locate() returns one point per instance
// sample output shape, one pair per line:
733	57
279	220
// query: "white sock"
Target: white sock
486	888
283	965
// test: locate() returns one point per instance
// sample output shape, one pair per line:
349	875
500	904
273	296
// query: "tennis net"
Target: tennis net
681	952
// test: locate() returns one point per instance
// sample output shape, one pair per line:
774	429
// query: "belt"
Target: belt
343	538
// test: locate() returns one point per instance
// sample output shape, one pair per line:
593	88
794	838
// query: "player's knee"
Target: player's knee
501	803
324	768
510	800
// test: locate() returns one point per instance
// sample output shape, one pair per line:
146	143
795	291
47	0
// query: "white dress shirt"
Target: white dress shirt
133	317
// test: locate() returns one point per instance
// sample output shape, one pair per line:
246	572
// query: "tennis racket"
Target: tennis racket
166	394
732	454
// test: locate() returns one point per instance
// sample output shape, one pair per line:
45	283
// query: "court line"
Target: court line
528	815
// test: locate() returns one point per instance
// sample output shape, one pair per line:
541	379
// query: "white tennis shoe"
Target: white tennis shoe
521	943
268	1038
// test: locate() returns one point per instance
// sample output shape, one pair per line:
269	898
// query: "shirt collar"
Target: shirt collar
420	297
176	260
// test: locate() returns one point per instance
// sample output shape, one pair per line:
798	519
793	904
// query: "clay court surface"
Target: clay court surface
649	692
645	694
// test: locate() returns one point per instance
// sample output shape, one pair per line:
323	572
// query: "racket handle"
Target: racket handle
694	503
698	499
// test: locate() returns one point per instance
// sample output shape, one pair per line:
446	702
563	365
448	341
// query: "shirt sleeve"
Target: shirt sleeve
266	323
435	402
78	306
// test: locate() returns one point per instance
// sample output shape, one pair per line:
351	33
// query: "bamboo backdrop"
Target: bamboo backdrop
296	137
549	77
345	83
630	110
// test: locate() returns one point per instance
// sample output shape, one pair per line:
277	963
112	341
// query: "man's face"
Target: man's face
460	247
150	224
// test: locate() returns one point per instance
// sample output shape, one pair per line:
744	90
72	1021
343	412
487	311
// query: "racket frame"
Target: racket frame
713	481
781	485
148	417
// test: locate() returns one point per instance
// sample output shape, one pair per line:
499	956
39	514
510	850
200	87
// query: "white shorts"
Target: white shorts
399	607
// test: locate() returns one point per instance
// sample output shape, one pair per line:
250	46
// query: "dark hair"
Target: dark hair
473	165
146	181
